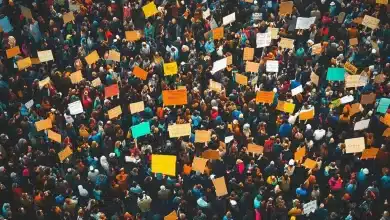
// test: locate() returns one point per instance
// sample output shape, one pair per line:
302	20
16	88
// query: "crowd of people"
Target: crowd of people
89	164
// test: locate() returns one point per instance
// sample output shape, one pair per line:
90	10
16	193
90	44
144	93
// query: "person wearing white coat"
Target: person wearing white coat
83	192
104	163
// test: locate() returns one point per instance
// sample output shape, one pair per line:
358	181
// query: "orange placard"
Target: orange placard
306	115
54	136
248	53
218	33
286	8
254	148
140	73
355	108
174	97
24	63
76	77
199	164
300	154
252	67
171	216
13	52
211	154
241	79
220	186
265	97
386	133
353	41
111	91
202	136
92	57
43	124
369	153
35	60
114	112
68	17
132	35
62	155
310	164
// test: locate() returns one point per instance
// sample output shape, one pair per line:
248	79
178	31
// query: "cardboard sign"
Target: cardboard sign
76	77
202	136
286	8
316	49
199	164
256	149
335	74
354	145
241	79
263	39
114	56
110	91
369	153
65	153
26	12
171	216
353	41
361	125
252	67
45	56
24	63
370	22
174	97
211	154
272	66
218	33
114	112
68	17
248	53
229	18
179	130
310	164
220	186
136	107
286	43
150	9
54	136
164	164
44	82
350	68
132	36
306	115
140	129
91	58
274	32
368	99
215	86
96	82
300	154
43	124
170	69
75	107
265	97
13	52
314	78
140	73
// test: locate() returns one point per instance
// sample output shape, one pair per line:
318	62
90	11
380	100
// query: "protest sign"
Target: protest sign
174	97
211	154
75	107
179	130
43	124
110	91
229	60
263	39
91	58
229	138
310	164
386	133
353	41
171	216
383	105
54	136
206	14
13	52
150	9
76	77
170	69
346	99
136	107
252	67
380	78
26	12
350	68
316	49
304	23
219	65
29	104
220	186
297	90
265	97
229	19
300	154
241	79
218	33
164	164
361	125
369	153
335	103
335	74
274	32
6	25
306	114
114	56
24	63
310	207
314	78
215	86
248	53
386	119
140	73
96	82
114	112
285	106
257	16
35	60
65	153
44	82
132	35
355	108
254	148
370	22
354	145
286	43
68	17
383	2
286	8
367	99
199	164
140	129
202	136
272	66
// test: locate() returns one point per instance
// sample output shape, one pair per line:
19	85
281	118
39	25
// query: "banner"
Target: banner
164	164
174	97
354	145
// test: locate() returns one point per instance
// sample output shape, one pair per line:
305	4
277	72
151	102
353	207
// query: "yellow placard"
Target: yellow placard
54	136
306	115
350	68
216	86
202	136
164	164
310	164
140	73
370	22
300	154
286	43
65	153
316	49
170	69
171	216
229	60
199	164
44	82
24	63
68	17
252	67
383	2
274	32
220	186
174	97
211	154
369	153
241	79
218	33
265	97
248	53
136	107
96	82
179	130
132	35
254	148
76	77
150	9
114	56
286	8
114	112
353	41
92	57
43	124
35	60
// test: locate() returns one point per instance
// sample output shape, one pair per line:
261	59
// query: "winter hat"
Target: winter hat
366	171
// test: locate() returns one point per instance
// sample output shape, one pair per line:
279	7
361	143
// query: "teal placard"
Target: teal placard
140	129
383	105
335	74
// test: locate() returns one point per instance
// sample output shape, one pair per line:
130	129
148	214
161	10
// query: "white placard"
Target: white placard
304	23
361	125
295	91
263	40
346	99
228	139
206	13
257	16
68	119
29	104
75	108
310	207
272	66
45	55
219	65
229	18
